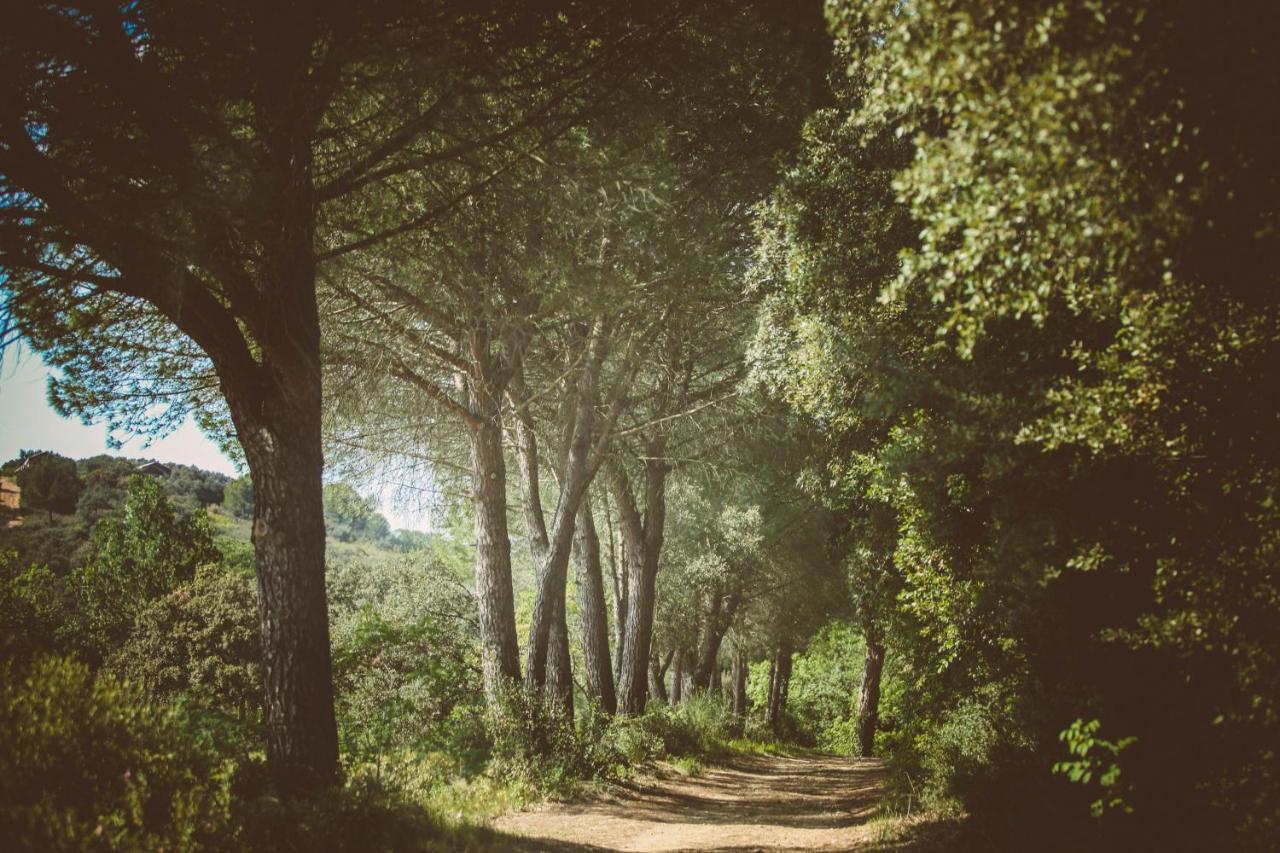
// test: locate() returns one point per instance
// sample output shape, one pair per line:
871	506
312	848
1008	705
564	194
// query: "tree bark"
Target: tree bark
552	547
559	663
643	537
275	404
869	697
658	677
499	652
739	678
716	622
281	440
591	608
779	682
677	679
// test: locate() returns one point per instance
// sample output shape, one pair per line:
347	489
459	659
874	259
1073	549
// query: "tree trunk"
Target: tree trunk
552	548
275	404
559	663
643	537
283	448
499	652
618	574
658	677
677	679
780	681
591	608
740	670
716	623
869	697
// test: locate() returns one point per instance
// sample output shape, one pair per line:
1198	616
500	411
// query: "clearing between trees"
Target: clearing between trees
760	803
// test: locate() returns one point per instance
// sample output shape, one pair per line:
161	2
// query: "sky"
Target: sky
28	422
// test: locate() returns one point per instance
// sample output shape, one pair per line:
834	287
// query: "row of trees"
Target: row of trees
1022	279
380	223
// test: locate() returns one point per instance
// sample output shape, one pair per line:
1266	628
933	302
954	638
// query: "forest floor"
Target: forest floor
745	803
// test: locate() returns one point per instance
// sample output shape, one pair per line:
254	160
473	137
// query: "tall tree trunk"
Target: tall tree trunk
559	663
677	679
618	574
552	548
591	608
281	440
499	652
658	677
780	682
869	697
275	405
643	537
716	622
740	670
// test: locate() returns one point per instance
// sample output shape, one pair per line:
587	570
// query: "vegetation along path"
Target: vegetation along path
747	803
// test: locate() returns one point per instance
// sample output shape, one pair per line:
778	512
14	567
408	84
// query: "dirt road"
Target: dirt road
750	803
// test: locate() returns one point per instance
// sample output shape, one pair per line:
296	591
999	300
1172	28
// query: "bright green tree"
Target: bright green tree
137	556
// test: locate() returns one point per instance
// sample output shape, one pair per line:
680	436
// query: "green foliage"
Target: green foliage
405	653
1096	760
348	517
35	608
138	556
86	764
200	641
48	481
536	745
237	498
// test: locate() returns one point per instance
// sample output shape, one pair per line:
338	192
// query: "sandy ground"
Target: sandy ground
750	803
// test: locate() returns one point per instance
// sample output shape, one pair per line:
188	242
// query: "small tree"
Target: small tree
49	482
237	498
138	556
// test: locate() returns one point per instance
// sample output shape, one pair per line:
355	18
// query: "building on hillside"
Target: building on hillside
10	502
153	469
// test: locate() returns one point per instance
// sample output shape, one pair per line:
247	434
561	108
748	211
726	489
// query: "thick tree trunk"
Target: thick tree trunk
275	404
591	609
499	652
283	448
780	681
869	697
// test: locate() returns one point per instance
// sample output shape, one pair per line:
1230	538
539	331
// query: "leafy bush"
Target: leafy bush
86	764
405	655
202	640
143	553
33	606
536	744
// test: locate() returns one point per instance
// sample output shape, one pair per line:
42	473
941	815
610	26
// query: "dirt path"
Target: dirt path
750	803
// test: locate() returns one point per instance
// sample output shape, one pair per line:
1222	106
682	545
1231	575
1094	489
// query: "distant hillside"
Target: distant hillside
58	511
62	499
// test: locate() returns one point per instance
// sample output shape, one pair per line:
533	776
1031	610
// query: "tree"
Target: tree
238	138
349	517
237	498
48	482
137	556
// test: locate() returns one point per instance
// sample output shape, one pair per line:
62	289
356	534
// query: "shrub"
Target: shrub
86	764
535	743
202	640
